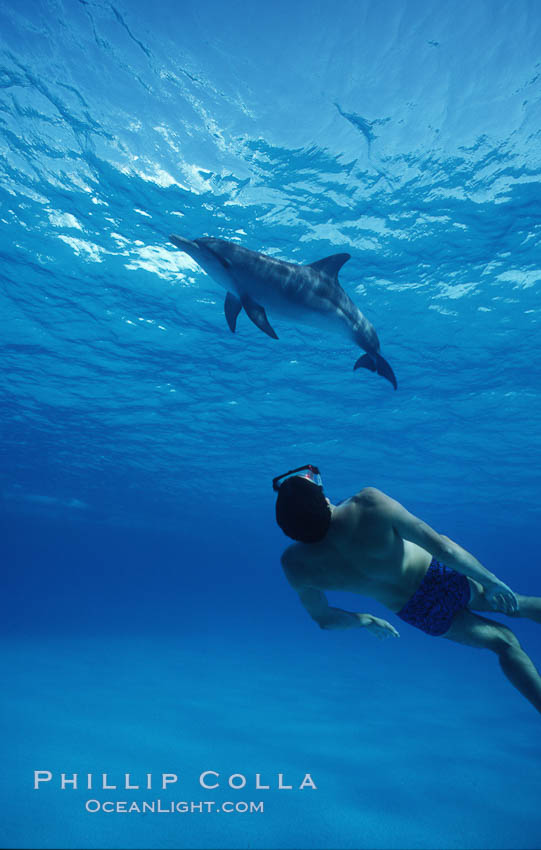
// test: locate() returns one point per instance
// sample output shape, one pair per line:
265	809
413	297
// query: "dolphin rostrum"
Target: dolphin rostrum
309	294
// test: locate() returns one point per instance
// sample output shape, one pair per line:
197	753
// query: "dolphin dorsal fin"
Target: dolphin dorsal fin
330	265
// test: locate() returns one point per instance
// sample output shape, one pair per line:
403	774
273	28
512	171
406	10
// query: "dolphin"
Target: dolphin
309	294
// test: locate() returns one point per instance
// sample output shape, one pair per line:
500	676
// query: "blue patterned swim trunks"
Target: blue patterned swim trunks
434	604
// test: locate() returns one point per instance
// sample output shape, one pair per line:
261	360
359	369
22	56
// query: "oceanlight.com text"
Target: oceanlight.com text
173	807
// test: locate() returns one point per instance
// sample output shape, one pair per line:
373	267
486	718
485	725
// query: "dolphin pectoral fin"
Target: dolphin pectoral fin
257	314
232	309
366	362
330	265
380	366
383	369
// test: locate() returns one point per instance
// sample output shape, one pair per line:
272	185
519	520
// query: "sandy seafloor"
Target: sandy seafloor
424	760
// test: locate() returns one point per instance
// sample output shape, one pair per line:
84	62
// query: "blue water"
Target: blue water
147	627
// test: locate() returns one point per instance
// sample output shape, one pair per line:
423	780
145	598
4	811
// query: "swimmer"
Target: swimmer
371	545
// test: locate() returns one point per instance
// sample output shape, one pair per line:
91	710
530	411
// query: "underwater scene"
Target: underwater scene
354	192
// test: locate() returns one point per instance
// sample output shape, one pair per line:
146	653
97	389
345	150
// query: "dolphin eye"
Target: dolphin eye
225	263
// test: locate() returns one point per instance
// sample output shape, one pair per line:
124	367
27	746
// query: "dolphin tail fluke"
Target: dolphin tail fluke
258	316
232	308
377	363
383	369
365	362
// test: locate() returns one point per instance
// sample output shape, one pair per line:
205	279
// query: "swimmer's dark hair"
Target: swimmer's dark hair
302	511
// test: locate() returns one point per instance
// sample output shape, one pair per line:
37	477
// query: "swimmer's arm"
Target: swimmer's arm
410	527
327	617
315	602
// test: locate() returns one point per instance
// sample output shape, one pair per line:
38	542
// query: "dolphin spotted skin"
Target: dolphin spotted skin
308	294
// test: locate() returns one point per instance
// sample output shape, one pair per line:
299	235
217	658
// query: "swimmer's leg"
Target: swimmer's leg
528	606
473	630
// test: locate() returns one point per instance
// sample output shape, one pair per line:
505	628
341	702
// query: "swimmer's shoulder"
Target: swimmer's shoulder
293	562
366	501
292	555
369	497
364	513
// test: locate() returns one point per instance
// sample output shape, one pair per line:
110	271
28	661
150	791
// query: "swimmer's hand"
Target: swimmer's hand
501	598
379	628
